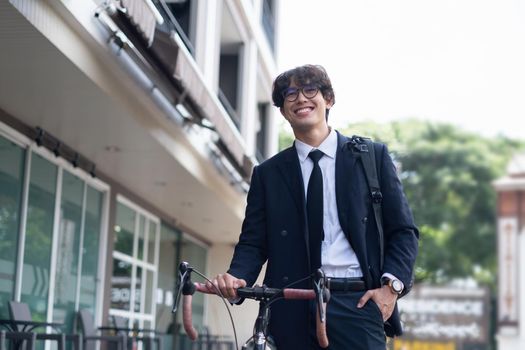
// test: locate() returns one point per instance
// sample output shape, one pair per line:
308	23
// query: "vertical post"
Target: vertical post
511	246
23	223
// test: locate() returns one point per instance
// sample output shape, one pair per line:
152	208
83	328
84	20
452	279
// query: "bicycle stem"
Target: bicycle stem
261	326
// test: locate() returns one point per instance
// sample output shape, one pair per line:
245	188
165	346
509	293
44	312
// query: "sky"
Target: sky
456	61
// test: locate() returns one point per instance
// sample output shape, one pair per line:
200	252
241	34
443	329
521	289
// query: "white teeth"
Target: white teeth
303	110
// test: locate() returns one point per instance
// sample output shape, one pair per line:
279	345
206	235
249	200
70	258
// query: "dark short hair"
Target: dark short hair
303	75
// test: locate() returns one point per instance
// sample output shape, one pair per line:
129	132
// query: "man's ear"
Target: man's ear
329	103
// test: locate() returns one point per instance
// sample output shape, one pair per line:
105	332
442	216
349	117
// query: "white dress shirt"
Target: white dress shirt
338	259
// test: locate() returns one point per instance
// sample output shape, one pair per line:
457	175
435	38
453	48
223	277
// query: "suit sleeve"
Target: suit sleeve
400	233
250	252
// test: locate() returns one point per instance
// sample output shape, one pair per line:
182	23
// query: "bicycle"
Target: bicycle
266	296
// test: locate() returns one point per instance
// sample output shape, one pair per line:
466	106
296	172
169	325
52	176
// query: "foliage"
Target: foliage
286	137
447	175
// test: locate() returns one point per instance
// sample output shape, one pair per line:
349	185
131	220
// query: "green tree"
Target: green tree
447	174
286	137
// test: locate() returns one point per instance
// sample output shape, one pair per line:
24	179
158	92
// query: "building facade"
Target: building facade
511	245
128	132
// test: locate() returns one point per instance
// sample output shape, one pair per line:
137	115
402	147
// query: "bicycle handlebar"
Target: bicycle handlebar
187	317
260	293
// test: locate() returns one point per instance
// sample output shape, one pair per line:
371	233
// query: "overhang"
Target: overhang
70	88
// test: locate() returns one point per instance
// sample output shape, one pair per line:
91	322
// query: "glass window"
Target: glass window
68	249
90	251
11	185
184	25
229	72
151	242
76	217
134	271
124	229
121	285
262	133
168	269
148	300
39	233
138	289
141	234
268	21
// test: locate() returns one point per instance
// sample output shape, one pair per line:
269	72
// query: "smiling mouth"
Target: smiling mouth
304	110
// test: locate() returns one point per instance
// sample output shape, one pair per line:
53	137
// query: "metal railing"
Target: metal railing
229	109
171	23
206	341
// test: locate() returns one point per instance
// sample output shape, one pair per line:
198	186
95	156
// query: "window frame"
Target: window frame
29	146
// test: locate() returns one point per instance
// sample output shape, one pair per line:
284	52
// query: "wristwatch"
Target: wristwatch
396	286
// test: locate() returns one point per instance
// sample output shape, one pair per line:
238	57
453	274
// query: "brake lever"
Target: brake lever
185	286
322	294
187	289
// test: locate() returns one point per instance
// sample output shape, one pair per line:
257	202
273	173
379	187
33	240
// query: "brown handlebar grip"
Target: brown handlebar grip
322	338
187	319
304	294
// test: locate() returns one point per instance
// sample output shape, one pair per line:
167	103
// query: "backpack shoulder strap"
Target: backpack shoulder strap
364	148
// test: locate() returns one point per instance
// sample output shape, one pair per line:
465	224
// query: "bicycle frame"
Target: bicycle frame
260	339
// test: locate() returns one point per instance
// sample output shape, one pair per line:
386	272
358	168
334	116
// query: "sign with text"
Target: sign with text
442	314
400	344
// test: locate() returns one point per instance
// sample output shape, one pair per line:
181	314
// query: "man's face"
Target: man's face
306	112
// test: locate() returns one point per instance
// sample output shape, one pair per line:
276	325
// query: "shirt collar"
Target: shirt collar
328	147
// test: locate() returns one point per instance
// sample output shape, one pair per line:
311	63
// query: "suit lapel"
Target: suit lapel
291	172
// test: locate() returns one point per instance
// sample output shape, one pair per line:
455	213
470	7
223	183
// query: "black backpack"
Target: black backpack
363	147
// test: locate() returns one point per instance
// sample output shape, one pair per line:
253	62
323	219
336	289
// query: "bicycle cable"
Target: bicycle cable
219	293
225	304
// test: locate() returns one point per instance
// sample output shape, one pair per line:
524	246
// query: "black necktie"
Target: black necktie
314	210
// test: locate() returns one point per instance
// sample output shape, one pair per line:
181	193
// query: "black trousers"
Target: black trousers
348	327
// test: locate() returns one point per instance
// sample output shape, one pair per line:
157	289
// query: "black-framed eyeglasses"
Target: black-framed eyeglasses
309	91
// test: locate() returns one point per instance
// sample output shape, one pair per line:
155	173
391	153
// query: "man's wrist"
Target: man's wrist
395	285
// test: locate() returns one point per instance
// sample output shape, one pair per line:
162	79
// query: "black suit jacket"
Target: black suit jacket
275	231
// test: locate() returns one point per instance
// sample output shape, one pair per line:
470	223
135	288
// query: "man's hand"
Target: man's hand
227	284
383	297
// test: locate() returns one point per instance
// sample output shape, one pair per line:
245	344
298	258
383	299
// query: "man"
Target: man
296	227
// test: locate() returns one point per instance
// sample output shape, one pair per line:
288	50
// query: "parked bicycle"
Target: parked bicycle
260	339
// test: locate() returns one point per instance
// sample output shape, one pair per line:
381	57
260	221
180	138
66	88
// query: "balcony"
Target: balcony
176	18
166	58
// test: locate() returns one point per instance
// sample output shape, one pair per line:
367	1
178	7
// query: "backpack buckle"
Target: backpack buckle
362	147
358	144
377	196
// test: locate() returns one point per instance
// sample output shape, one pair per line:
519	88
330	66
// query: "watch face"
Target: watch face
396	286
